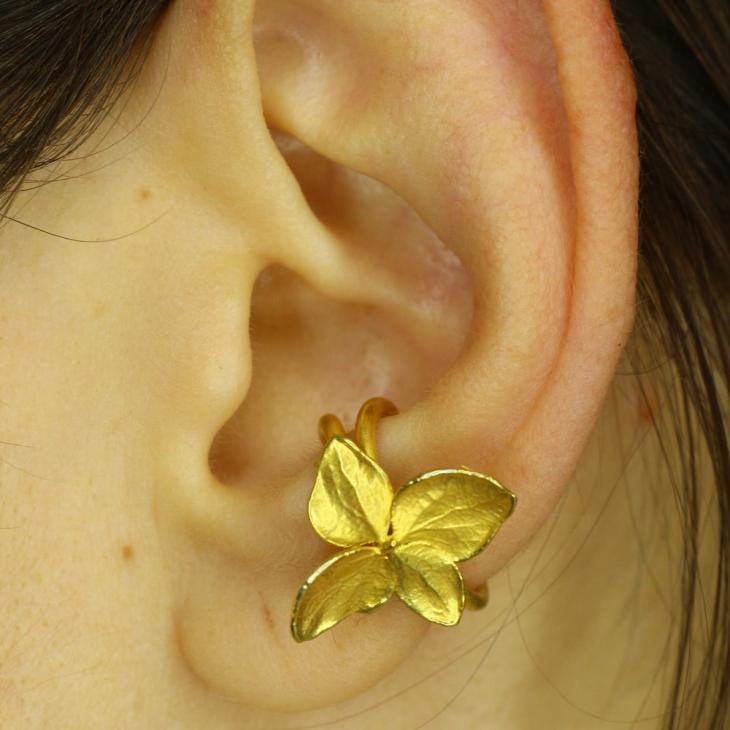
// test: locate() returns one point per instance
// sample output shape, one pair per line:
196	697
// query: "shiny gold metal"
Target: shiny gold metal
329	427
367	420
407	543
477	599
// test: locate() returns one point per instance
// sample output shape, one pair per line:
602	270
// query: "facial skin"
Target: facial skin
291	213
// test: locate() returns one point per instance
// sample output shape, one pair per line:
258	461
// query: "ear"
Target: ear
415	133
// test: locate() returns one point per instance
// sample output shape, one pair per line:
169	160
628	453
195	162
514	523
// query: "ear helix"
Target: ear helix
407	543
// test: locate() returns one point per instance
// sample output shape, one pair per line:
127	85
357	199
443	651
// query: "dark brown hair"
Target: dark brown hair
680	51
63	63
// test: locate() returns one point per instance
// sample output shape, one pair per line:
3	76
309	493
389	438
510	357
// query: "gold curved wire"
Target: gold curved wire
329	427
367	421
477	599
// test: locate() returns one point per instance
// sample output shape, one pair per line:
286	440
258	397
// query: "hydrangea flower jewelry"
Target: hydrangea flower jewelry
407	543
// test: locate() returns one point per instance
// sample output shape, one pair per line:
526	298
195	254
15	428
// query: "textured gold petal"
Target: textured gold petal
350	502
429	583
355	581
455	510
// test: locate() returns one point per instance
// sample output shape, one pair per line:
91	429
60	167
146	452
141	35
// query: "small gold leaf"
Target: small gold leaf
354	581
454	510
350	502
429	583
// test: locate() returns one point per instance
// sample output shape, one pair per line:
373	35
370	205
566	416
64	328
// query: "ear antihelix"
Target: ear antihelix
434	521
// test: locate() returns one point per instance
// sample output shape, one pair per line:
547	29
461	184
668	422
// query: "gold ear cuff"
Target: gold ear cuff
407	543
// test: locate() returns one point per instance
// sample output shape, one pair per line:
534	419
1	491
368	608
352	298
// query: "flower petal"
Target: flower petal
429	583
350	502
455	510
358	580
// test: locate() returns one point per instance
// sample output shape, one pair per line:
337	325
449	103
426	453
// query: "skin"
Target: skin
287	214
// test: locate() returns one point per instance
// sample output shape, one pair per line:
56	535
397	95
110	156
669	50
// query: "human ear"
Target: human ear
509	132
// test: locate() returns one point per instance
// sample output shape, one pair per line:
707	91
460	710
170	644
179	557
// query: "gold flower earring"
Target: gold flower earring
407	543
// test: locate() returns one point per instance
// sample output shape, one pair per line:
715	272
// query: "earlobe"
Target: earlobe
524	167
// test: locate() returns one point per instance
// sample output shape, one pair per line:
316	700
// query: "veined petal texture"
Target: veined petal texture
355	581
454	510
429	583
351	499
